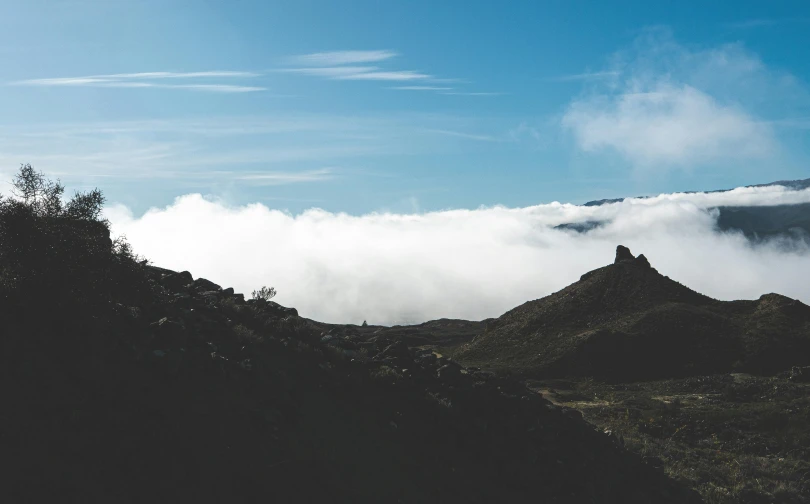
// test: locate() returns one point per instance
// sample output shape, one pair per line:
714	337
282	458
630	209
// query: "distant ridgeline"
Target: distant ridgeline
755	222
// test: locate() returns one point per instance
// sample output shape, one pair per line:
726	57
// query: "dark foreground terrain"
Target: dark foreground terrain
734	437
203	397
121	382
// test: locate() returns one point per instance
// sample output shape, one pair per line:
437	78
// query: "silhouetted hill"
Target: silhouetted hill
626	321
122	382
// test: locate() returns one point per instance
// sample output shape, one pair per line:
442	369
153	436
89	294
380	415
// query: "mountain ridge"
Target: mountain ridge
757	223
617	320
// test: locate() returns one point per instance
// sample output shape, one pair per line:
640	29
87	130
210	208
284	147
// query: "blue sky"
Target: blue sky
404	106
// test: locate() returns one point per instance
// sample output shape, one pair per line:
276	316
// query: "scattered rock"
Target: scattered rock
277	310
177	282
202	284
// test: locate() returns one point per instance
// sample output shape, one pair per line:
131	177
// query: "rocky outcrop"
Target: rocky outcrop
623	255
642	262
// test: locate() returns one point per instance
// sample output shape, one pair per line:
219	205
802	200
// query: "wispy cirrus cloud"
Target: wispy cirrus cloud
332	58
281	178
180	75
752	23
421	88
147	80
358	73
402	75
747	24
468	136
353	66
474	93
332	72
584	76
217	88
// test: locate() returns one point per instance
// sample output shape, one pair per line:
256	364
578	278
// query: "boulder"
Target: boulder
276	309
177	282
202	284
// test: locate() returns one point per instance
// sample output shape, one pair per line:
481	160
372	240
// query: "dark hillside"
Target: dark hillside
122	382
626	321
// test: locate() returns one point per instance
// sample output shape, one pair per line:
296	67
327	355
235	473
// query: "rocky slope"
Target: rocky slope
626	321
196	395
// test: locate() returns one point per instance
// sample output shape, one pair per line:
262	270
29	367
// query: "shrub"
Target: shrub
62	249
264	294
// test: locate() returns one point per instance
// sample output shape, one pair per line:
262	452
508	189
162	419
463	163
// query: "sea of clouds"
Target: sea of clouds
471	264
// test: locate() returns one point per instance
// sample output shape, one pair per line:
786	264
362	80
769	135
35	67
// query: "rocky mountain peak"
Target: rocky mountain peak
623	254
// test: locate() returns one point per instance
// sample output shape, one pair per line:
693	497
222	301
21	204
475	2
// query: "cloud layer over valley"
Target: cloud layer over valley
473	264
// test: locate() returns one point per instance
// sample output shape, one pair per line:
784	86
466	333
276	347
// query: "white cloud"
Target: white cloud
331	72
349	65
358	73
585	76
669	125
341	57
180	75
668	106
421	88
216	88
62	81
470	136
143	80
401	75
280	178
396	268
472	94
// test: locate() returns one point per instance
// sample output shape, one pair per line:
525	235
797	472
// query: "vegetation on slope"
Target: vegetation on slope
735	438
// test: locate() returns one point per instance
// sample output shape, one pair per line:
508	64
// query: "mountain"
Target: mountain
626	321
755	222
